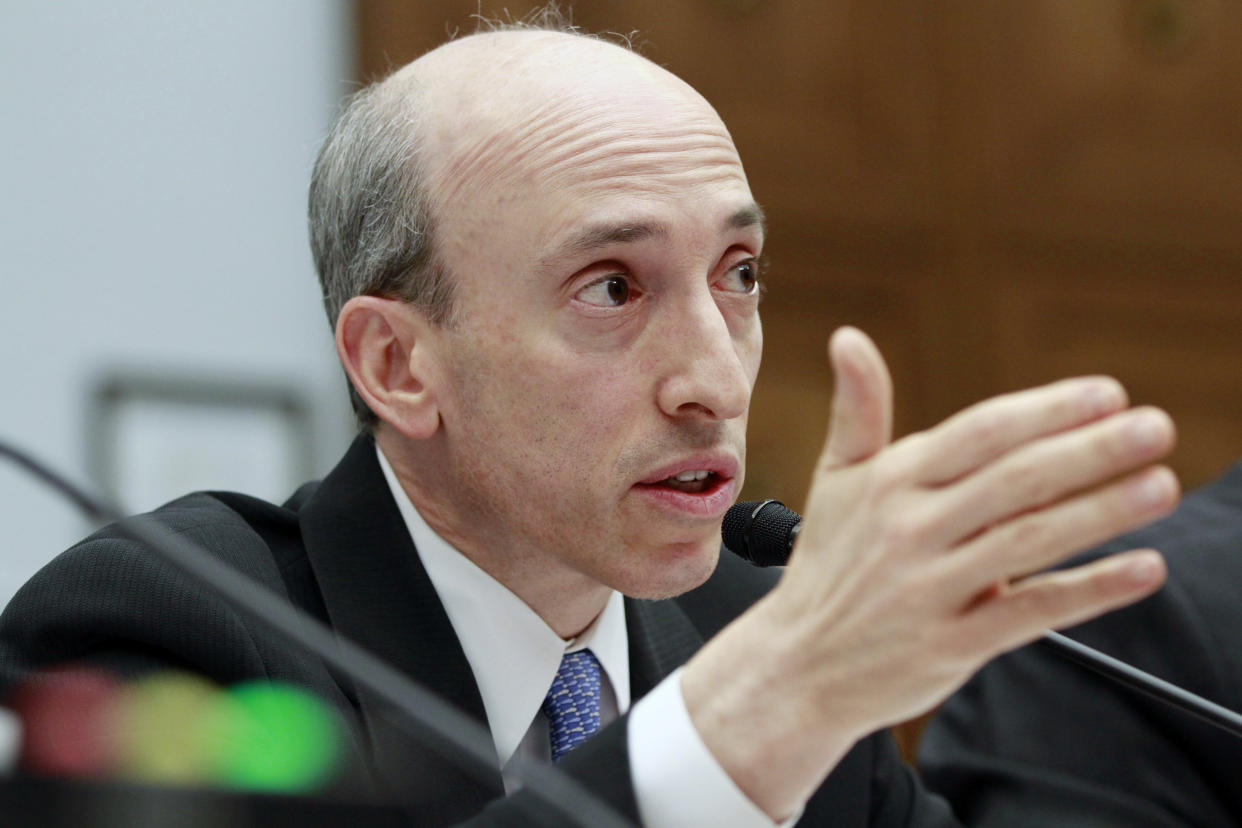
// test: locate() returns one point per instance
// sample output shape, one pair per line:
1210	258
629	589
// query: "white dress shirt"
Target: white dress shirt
514	656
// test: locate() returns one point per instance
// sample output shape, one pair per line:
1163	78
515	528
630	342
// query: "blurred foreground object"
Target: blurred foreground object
10	740
174	728
67	803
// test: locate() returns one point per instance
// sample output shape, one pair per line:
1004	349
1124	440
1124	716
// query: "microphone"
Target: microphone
763	532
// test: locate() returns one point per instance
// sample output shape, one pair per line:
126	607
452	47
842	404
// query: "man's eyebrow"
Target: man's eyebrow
749	216
603	235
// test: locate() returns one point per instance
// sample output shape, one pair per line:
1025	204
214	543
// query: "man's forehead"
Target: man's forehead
561	141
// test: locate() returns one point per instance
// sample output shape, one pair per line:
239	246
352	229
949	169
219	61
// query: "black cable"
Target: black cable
450	732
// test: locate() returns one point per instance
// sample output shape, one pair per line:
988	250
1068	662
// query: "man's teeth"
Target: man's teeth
688	481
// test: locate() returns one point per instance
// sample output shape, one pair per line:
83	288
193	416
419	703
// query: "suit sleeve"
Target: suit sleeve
108	603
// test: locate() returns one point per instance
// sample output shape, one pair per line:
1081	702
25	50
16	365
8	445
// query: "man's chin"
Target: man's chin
669	573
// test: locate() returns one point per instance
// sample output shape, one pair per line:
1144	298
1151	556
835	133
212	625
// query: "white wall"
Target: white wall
154	159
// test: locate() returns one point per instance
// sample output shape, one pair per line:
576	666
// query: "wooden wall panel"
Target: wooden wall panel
1168	349
1088	118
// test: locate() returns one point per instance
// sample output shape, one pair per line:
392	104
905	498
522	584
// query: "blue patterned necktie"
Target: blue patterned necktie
572	705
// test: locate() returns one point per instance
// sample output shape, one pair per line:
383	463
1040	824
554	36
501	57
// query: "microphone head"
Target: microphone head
761	531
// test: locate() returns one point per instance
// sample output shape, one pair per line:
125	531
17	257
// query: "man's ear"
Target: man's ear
387	348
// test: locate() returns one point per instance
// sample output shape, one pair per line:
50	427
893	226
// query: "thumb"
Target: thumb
862	401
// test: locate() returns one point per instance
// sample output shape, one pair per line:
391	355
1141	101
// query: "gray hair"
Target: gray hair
371	222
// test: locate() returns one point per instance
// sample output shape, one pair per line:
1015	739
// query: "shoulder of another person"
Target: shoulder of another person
1207	523
1187	624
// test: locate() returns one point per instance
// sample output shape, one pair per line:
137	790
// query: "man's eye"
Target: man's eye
609	292
743	277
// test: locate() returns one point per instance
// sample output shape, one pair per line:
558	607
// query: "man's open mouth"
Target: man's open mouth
692	482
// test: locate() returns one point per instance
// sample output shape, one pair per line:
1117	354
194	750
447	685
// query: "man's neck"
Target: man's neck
567	601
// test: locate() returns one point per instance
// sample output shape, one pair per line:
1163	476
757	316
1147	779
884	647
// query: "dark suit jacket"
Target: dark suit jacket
340	550
1037	740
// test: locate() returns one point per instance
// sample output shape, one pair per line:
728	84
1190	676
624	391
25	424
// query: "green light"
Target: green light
273	737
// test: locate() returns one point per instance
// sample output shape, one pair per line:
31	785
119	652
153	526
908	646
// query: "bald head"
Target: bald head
526	106
460	135
504	82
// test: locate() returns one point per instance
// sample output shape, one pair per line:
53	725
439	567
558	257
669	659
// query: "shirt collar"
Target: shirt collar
512	652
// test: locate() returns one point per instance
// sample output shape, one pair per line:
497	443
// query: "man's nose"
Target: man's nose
705	375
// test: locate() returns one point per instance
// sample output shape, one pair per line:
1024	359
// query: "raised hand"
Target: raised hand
916	558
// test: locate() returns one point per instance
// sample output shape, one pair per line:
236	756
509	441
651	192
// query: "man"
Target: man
540	255
1037	740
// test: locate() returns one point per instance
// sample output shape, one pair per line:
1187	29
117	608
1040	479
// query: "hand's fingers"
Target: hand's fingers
862	401
1060	599
1039	539
1046	470
988	430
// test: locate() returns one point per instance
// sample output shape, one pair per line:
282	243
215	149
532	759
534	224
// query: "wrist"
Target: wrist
756	712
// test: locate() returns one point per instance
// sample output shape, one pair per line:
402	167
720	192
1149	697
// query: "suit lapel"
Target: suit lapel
665	634
661	639
378	595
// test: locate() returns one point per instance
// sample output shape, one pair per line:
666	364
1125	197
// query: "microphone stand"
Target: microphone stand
1145	683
